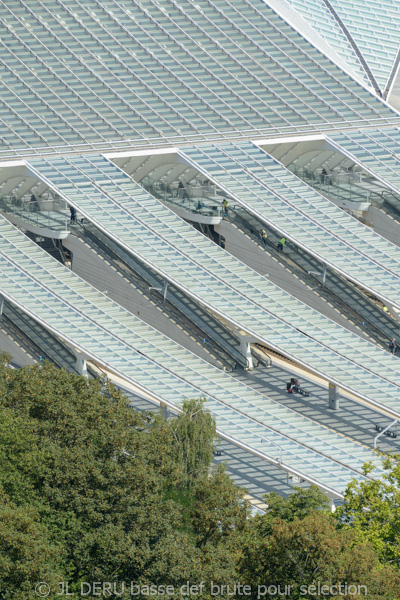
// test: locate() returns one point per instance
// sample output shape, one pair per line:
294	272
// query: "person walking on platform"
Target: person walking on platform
225	204
393	346
182	192
281	243
33	204
263	235
72	210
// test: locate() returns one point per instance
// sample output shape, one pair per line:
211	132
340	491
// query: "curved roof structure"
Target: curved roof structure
203	80
118	74
100	328
365	33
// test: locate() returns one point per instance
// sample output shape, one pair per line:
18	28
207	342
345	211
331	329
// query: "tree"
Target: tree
91	490
27	556
298	505
91	467
298	542
372	511
195	434
97	486
302	553
219	510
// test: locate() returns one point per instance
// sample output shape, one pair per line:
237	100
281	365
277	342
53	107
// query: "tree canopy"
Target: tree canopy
195	433
94	491
99	485
312	551
372	511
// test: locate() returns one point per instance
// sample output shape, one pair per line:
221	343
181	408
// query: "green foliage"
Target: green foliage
372	511
298	505
215	517
87	462
26	554
91	490
195	435
305	552
5	358
20	457
103	488
218	508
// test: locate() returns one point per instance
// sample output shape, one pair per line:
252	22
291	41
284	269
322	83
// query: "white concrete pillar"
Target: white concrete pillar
80	364
245	350
333	396
394	312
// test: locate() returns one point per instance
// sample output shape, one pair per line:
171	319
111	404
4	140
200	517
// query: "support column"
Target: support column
164	410
394	312
245	350
80	364
165	289
322	274
162	290
333	397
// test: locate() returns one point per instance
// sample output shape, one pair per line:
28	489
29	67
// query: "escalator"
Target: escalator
355	304
40	343
217	339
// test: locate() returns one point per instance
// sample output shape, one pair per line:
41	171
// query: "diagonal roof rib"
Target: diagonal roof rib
364	34
97	74
144	227
272	193
354	46
104	331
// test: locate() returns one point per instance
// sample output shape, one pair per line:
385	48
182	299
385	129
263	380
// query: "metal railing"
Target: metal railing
341	184
194	199
49	213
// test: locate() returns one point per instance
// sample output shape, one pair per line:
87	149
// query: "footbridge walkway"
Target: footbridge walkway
377	151
349	300
276	196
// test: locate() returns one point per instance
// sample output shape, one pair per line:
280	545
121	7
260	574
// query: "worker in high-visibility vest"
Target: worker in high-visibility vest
387	311
263	235
281	243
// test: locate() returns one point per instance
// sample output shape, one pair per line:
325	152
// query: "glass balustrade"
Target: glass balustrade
341	184
197	199
47	213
